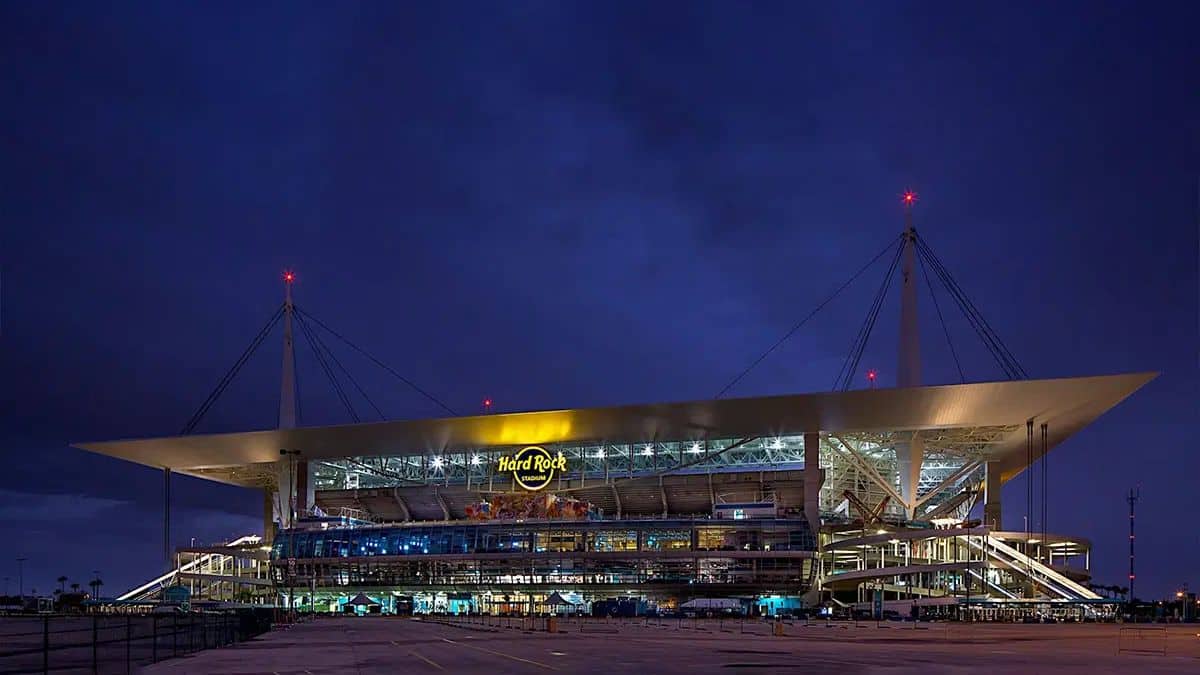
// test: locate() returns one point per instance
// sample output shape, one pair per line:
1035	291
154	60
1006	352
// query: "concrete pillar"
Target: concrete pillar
910	456
306	496
991	493
268	515
813	479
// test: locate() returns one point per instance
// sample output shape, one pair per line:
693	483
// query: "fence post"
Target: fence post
154	633
128	642
45	644
95	638
174	635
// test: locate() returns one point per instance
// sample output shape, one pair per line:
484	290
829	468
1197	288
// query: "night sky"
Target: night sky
562	205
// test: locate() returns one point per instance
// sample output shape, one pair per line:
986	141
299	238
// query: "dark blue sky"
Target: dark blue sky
566	205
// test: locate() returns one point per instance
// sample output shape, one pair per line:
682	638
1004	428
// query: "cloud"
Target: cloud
27	506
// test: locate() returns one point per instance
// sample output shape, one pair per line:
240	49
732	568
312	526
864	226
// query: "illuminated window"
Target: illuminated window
615	540
559	541
666	540
713	539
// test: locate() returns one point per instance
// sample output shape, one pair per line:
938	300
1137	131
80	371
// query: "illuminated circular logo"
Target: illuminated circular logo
533	467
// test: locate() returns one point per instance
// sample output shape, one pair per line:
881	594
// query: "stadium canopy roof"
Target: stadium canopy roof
1065	404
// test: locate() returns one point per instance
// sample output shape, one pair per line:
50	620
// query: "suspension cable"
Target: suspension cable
1008	363
377	362
989	340
945	329
1000	352
232	372
324	363
806	319
334	359
958	297
850	364
1028	496
1045	454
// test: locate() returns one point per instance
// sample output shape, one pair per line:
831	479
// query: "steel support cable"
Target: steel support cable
327	369
1045	454
1000	351
377	362
864	327
299	401
994	337
988	343
874	317
323	358
1029	497
945	329
970	312
232	372
337	386
850	363
806	319
975	317
333	357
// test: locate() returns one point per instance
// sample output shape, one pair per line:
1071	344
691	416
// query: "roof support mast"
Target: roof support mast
291	473
287	384
908	373
909	455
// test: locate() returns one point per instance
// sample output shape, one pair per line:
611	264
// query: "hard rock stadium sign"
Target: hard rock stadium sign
532	467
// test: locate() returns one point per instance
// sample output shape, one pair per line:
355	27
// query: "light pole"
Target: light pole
21	576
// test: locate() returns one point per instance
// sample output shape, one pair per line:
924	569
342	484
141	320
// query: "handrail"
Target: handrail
1020	562
1079	589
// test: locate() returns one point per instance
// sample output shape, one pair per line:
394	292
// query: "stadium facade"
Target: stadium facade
852	498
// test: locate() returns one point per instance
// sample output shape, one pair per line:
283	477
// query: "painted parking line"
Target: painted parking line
432	663
539	664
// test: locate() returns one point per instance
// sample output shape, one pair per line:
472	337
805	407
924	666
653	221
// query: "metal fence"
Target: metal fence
113	643
1142	639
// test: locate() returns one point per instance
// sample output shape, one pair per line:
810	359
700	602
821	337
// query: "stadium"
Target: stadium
851	500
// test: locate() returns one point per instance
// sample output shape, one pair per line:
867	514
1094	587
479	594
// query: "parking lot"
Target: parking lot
387	645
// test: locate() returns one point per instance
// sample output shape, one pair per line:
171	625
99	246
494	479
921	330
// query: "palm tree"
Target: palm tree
96	584
75	587
62	585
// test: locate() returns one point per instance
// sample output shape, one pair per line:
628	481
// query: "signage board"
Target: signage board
533	467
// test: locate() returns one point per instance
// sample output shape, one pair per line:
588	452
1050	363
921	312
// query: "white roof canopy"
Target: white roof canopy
1066	405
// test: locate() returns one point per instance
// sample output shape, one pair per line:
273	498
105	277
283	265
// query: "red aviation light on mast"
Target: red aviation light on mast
872	374
909	198
288	276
